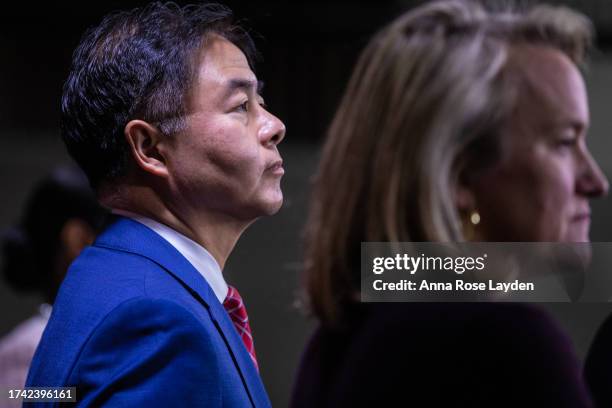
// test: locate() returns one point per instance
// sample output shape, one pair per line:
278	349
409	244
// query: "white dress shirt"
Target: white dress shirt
195	253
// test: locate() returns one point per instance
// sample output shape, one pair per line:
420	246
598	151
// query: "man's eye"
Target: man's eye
243	107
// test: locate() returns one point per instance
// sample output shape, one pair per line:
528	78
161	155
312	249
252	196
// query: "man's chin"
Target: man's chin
274	206
264	208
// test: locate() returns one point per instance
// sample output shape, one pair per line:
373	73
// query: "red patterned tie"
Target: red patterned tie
234	306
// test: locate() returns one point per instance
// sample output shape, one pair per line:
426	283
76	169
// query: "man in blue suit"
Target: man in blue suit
163	112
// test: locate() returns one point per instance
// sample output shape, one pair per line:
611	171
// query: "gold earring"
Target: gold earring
475	217
469	225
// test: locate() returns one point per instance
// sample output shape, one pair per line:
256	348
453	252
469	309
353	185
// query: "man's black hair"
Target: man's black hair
137	64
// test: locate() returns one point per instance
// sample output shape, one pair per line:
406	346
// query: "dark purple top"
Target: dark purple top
441	355
598	366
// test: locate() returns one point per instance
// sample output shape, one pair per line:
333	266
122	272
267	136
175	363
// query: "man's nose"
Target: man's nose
272	130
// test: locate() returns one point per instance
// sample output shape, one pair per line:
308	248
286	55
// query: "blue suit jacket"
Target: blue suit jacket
134	324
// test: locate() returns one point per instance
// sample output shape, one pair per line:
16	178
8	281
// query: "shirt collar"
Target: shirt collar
195	253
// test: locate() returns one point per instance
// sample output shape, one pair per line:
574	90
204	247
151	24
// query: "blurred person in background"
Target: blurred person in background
460	123
60	218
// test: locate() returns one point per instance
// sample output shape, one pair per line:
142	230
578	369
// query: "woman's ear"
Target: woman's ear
145	141
465	199
467	207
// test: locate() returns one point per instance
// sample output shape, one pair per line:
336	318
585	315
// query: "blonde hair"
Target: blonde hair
423	108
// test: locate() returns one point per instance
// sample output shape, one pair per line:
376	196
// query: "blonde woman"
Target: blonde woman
459	123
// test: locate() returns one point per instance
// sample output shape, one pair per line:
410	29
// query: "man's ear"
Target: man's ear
144	141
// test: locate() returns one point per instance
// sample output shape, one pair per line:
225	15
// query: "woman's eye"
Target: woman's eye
566	145
567	142
567	138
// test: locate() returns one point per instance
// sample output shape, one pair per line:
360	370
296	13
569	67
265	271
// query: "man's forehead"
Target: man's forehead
220	56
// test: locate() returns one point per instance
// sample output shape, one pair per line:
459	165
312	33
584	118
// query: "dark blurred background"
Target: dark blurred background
308	49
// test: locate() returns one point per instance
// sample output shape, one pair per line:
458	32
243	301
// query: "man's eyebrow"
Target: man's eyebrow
243	84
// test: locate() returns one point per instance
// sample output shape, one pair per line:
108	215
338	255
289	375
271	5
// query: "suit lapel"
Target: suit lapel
131	236
240	354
